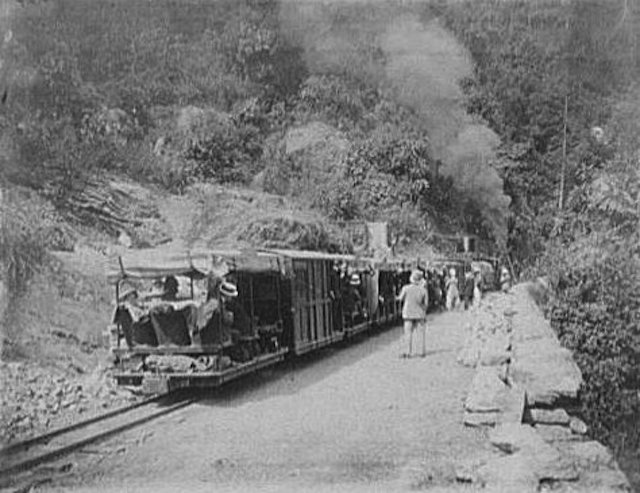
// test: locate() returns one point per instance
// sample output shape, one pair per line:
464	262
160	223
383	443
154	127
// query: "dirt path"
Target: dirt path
354	418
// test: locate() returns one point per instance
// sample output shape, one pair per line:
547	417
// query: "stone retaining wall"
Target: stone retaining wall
524	392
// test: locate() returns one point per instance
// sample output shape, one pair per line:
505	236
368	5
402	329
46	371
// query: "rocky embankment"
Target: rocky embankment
525	392
36	400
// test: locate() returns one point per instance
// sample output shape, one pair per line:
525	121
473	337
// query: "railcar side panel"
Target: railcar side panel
312	305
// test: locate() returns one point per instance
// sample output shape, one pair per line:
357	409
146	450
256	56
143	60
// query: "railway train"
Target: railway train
200	318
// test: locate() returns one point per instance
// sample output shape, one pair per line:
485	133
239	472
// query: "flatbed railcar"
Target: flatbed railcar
288	303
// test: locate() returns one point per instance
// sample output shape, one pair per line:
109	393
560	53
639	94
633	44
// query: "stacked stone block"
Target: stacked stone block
523	386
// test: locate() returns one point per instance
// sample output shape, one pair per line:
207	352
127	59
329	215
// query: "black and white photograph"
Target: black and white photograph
320	246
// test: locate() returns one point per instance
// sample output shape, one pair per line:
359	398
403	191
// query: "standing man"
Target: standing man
477	286
467	294
214	319
505	280
415	301
453	294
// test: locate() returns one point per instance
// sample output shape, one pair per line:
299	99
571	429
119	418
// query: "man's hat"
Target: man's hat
126	292
354	280
228	289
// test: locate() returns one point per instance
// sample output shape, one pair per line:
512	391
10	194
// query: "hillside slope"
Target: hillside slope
55	361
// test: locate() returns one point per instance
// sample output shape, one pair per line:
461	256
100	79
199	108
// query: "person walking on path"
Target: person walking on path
415	300
505	280
453	295
467	294
477	287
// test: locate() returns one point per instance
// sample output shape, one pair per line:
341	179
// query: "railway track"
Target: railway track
28	454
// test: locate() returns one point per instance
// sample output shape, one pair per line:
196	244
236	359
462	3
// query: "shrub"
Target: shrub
231	155
596	313
171	170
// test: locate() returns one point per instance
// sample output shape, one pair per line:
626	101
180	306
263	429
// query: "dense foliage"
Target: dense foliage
596	313
207	91
546	74
90	75
534	63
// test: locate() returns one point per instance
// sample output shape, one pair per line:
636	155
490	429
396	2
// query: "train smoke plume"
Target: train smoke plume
421	64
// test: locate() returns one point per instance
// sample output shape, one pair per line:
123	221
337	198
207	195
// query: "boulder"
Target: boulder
606	479
577	426
515	437
513	406
489	357
512	473
481	419
554	467
589	455
546	371
486	392
544	460
550	416
556	433
495	350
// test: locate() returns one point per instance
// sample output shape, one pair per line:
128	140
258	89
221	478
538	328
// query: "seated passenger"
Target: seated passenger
170	289
241	321
171	325
132	318
352	304
477	287
214	318
126	313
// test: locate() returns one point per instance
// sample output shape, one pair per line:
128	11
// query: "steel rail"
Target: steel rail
10	464
45	437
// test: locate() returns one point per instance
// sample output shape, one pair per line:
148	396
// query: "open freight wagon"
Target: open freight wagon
195	336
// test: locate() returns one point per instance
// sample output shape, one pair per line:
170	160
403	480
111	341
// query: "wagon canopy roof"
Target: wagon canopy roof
353	261
153	263
308	254
247	261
